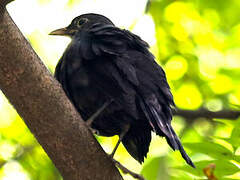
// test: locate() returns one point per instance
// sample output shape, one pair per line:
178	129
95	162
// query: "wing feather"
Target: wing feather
138	71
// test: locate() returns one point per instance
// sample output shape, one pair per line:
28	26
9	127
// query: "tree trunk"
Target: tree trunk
43	105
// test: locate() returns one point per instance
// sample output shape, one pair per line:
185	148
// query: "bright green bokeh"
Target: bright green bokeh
188	96
221	84
176	67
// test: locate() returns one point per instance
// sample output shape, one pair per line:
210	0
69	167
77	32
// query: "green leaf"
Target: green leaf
182	176
155	168
211	149
237	158
235	136
223	168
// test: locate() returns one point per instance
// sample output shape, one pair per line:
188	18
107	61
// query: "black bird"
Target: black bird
115	84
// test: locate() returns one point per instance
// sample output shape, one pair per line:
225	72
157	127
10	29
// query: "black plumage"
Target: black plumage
104	63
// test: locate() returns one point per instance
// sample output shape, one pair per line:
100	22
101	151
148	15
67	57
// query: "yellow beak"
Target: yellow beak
60	32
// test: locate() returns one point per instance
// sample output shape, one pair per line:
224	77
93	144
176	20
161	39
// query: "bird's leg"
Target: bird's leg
98	112
127	171
115	148
118	164
125	130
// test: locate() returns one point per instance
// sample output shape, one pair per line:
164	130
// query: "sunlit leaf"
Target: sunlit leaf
156	168
211	149
223	168
235	136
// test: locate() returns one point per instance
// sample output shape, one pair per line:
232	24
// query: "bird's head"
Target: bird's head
82	22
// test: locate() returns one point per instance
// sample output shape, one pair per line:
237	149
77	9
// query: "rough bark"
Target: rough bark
46	110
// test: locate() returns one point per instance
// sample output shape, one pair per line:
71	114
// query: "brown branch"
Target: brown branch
3	3
46	110
204	113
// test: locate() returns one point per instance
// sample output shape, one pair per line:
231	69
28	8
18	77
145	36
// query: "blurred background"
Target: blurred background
198	44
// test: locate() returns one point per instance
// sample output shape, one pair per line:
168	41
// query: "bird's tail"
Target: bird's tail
137	141
180	148
159	117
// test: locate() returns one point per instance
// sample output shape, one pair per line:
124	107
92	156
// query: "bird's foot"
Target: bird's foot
98	112
126	170
94	131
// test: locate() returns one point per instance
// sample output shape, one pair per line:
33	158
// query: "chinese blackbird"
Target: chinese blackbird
115	84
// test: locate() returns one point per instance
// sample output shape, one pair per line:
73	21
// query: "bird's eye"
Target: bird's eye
81	21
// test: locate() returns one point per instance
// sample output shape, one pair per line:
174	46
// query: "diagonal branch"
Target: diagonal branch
46	110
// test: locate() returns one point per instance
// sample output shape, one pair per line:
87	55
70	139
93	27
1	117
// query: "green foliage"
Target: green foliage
195	43
226	159
155	168
223	168
195	31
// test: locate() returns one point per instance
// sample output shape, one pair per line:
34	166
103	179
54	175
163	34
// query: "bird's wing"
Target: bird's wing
139	74
133	67
111	40
128	51
107	76
152	94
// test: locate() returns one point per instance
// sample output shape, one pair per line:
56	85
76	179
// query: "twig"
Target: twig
148	4
127	171
204	113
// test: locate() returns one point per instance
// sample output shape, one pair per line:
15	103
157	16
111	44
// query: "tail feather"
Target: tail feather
181	149
137	142
159	117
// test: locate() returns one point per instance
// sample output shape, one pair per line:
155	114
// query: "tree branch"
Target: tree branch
3	3
204	113
46	110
